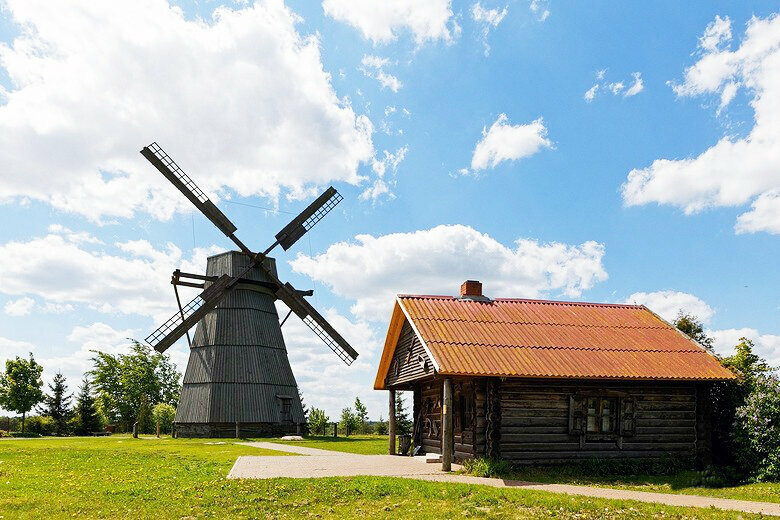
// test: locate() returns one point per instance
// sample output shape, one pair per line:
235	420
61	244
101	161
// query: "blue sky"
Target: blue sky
600	152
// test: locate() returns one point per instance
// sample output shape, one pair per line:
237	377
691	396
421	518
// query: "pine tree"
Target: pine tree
403	425
57	405
361	416
305	424
86	410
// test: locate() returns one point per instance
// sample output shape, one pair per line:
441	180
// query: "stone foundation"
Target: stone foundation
228	430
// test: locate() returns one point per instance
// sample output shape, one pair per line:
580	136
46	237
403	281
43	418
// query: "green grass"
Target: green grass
681	483
361	444
177	478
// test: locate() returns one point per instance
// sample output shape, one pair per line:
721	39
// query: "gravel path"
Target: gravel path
324	463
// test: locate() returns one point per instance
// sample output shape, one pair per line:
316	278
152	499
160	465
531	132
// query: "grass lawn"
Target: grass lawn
184	478
680	483
361	444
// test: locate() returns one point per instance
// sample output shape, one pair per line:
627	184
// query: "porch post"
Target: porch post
391	423
446	427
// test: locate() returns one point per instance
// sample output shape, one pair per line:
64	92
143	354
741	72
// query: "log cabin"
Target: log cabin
538	382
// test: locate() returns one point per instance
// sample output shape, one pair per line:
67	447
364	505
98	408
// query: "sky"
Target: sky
577	151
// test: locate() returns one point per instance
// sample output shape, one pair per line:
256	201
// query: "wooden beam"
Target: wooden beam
391	423
446	427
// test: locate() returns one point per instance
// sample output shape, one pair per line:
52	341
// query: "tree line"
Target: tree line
355	421
141	386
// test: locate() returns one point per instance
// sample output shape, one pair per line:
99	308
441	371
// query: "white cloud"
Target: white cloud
489	19
616	87
590	94
11	348
541	9
229	97
325	380
766	345
63	273
636	87
733	171
20	307
381	21
716	33
507	142
437	260
373	67
668	304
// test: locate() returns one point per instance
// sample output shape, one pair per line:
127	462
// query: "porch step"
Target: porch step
433	458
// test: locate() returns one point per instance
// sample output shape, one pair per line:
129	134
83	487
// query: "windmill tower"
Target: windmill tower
238	379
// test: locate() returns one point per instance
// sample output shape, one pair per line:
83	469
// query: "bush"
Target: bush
164	414
380	428
485	467
25	435
40	424
757	430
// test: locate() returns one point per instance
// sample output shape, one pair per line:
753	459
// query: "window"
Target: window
602	415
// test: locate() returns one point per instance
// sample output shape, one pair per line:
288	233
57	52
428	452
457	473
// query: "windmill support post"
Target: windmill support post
391	423
238	430
446	427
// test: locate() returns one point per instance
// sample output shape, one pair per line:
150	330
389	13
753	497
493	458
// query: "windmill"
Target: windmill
238	379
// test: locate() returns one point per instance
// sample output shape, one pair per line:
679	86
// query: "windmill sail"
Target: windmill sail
316	323
306	220
178	324
163	162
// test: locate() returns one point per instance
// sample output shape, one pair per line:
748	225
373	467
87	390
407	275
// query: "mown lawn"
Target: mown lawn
361	444
684	482
178	478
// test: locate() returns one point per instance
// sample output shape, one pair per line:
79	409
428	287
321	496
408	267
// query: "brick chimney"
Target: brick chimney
471	289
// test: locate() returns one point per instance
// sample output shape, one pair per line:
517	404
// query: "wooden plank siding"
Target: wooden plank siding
535	421
410	361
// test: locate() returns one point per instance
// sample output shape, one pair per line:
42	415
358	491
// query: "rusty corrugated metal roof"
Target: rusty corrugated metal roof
537	338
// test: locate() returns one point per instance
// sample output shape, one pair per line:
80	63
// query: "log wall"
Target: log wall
535	421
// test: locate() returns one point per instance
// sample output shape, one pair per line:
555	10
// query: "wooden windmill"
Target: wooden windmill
238	379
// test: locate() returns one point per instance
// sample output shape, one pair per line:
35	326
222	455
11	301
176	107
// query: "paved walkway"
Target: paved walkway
324	463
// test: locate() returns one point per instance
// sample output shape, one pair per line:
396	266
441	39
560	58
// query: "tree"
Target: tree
317	421
727	396
20	385
89	420
164	415
380	428
361	416
57	404
403	425
693	328
123	381
757	430
348	421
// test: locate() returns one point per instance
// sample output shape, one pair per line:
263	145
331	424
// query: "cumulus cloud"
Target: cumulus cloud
669	304
374	67
437	260
766	345
617	88
488	19
12	348
321	375
64	273
734	171
504	141
240	100
20	307
381	21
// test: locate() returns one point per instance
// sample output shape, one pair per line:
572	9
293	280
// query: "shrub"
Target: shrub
40	424
25	434
164	414
757	430
485	467
380	428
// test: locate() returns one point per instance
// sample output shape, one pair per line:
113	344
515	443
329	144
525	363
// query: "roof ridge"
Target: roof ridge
525	300
594	326
561	347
